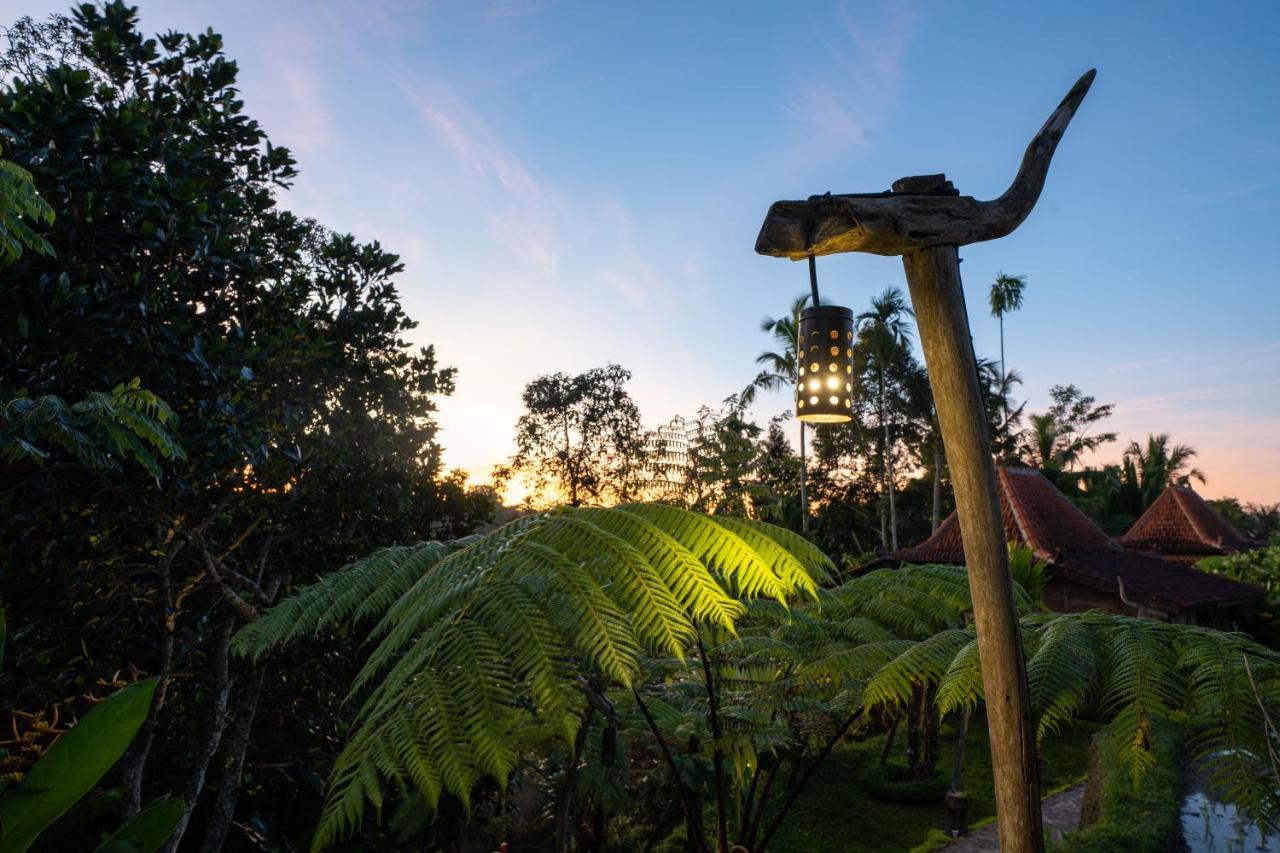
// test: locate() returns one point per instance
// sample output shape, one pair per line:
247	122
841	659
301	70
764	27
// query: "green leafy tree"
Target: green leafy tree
724	463
579	438
779	477
779	371
1260	567
280	348
1056	441
1005	296
21	206
884	339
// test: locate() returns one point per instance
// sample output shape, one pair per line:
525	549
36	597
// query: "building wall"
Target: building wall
1066	597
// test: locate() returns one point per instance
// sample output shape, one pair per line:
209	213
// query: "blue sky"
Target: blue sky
574	183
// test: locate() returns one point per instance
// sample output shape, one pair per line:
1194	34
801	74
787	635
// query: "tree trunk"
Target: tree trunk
804	492
134	764
957	766
224	809
213	737
933	276
892	542
571	782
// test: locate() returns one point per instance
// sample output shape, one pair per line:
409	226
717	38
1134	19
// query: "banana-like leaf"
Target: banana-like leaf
148	829
71	833
72	766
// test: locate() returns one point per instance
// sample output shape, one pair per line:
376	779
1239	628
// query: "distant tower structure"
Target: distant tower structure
665	472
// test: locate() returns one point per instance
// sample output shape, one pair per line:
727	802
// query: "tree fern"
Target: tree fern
479	643
479	649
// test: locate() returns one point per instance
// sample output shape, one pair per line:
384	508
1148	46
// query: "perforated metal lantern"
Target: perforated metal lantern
824	354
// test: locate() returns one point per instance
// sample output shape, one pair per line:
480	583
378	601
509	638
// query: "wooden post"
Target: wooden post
925	219
933	276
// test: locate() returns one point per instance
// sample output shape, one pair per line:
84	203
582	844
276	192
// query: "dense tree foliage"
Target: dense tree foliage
578	440
279	351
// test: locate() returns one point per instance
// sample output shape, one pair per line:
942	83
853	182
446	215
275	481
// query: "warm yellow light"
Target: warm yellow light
833	367
835	401
814	366
834	334
813	385
833	382
814	400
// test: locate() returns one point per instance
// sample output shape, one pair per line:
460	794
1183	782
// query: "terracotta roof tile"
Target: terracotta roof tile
1180	523
1039	516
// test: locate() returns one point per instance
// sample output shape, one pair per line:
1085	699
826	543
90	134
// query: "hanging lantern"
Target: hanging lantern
824	360
824	353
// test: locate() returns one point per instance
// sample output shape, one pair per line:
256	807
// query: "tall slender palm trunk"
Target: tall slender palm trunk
1004	398
888	472
804	492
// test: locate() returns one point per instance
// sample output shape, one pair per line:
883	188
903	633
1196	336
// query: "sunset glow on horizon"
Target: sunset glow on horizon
570	185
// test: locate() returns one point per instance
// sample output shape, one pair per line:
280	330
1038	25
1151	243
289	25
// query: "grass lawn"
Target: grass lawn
834	813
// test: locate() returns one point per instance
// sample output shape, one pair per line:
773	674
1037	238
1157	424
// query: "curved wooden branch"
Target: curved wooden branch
919	212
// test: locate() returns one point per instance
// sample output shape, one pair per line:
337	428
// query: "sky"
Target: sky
571	184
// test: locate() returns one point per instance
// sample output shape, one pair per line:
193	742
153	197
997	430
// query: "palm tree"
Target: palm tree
886	333
1005	296
1149	470
1261	522
997	388
780	372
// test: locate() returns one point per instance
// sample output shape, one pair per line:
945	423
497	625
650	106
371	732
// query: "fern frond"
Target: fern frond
479	643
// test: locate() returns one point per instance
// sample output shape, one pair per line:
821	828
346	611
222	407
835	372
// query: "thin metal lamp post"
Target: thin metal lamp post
925	220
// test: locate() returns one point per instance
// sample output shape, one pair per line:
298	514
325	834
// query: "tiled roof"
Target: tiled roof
1040	517
1180	522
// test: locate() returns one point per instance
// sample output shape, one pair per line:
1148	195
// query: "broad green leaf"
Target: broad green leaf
71	831
72	766
149	828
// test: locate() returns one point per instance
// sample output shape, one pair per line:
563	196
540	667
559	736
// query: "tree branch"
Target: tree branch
804	779
700	843
717	752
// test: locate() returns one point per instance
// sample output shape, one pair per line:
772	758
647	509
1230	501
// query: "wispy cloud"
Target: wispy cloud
299	116
522	218
865	74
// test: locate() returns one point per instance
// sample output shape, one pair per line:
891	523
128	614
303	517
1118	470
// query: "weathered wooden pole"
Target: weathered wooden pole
933	277
925	220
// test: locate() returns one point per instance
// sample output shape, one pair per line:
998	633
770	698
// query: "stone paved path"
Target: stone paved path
1061	815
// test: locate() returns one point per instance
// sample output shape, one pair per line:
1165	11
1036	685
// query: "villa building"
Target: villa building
1181	527
1090	570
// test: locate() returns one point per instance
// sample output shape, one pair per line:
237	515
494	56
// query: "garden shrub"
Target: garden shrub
1136	818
